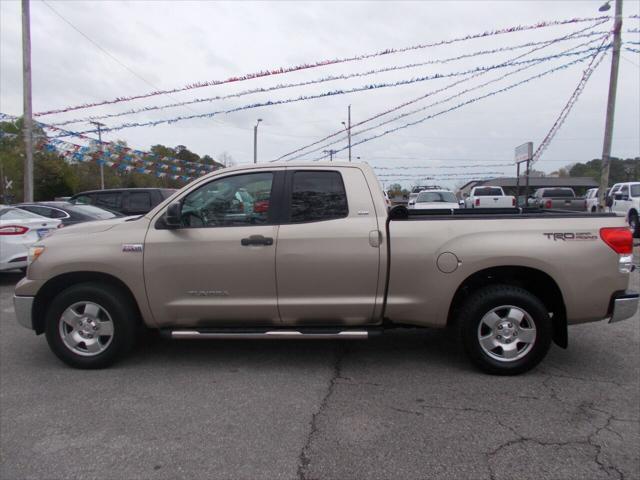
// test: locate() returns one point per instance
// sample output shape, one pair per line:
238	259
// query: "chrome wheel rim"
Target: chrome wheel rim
507	333
86	329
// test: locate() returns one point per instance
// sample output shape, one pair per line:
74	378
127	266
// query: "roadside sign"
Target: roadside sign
8	184
524	152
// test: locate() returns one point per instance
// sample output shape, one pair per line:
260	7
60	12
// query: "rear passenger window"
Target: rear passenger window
111	200
139	201
317	196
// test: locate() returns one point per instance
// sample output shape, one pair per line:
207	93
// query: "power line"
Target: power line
98	46
106	52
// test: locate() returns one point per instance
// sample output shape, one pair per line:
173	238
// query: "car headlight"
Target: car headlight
34	253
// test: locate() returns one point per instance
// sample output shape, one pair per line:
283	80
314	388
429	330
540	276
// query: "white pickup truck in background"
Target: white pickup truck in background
489	197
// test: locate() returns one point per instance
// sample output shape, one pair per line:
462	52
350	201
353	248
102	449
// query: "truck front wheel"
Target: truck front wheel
505	330
90	325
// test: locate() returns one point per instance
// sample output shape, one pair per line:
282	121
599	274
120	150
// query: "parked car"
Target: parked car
626	203
557	198
68	213
432	199
591	200
488	197
610	193
416	190
128	201
326	260
19	230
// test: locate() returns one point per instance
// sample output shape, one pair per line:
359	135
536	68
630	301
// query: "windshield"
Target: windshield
488	192
91	211
635	190
558	192
446	197
17	214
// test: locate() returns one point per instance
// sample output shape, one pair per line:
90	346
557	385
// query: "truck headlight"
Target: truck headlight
34	253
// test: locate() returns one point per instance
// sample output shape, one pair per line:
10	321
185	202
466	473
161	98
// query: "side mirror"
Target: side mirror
172	218
461	202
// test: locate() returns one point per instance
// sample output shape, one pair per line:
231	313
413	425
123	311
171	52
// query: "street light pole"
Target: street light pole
100	125
611	104
255	141
26	96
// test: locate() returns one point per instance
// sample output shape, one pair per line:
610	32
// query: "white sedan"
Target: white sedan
19	230
432	199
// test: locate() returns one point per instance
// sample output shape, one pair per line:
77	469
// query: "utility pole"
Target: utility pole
330	152
347	126
100	125
26	95
255	141
611	104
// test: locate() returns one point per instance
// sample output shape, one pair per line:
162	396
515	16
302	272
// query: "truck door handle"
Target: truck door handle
256	240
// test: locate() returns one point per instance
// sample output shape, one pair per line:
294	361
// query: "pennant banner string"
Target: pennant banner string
327	94
149	156
329	78
467	102
323	63
564	113
422	97
439	102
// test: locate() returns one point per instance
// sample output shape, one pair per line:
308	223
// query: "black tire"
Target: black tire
634	223
115	303
481	303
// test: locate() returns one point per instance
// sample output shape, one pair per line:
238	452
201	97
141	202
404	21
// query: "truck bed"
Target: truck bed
429	261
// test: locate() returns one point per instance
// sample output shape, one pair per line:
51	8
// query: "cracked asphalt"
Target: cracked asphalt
405	405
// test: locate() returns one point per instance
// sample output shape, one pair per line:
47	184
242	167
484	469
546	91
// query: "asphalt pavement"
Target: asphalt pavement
405	405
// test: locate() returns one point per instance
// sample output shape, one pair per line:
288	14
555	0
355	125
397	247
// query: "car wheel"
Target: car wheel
634	224
505	330
91	325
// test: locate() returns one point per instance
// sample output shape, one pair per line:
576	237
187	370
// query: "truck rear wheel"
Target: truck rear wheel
505	330
90	325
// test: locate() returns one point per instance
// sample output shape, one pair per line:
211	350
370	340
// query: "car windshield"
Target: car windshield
17	214
446	197
91	211
558	192
635	190
488	192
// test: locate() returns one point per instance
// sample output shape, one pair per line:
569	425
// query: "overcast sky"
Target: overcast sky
170	44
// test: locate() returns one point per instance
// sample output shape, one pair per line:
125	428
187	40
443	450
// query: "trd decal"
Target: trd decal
570	236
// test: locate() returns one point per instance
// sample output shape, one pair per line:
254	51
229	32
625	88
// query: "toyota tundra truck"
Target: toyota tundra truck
310	251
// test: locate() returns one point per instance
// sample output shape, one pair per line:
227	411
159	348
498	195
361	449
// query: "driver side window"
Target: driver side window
231	201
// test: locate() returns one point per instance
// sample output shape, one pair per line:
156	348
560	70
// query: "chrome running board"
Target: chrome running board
269	334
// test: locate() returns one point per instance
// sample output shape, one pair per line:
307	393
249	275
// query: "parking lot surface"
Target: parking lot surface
405	405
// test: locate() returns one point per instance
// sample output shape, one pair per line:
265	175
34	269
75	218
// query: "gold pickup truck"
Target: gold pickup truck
300	250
